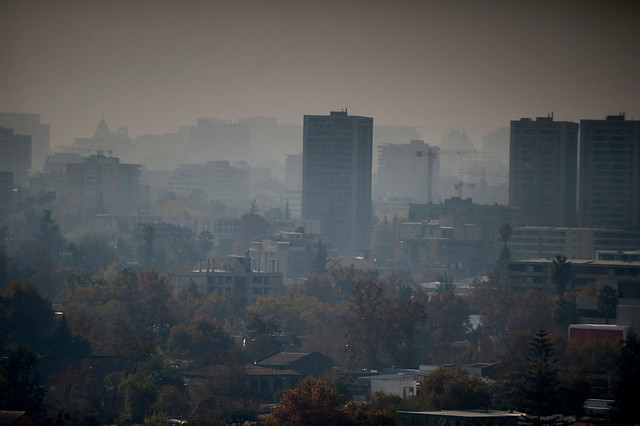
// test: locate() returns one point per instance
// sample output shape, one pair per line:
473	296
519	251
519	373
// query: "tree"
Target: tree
205	242
626	389
541	384
457	390
565	311
364	325
20	388
504	233
561	273
607	301
445	283
311	403
250	226
319	266
148	234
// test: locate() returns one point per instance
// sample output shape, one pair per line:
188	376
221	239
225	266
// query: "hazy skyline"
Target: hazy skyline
155	65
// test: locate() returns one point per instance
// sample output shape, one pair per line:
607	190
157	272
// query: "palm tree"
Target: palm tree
560	273
504	233
607	301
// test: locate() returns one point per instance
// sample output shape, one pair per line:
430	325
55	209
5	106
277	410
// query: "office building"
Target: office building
29	124
15	155
543	172
336	178
610	173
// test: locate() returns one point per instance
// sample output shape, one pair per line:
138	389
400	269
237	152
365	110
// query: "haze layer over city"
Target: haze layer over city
214	212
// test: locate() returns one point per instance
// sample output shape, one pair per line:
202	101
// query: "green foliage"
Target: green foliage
607	301
541	386
561	273
626	389
565	311
314	403
457	390
379	328
26	318
383	237
20	388
445	284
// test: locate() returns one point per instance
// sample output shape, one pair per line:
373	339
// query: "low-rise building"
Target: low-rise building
234	274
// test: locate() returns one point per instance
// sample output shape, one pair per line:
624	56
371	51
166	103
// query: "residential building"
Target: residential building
15	155
336	178
102	184
236	273
534	274
212	139
610	173
215	180
292	253
407	171
535	242
543	172
29	124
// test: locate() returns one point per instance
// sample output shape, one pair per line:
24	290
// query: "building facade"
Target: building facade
101	184
15	155
543	172
408	171
575	243
217	181
336	178
610	173
29	124
236	274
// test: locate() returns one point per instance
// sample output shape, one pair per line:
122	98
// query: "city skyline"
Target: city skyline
471	66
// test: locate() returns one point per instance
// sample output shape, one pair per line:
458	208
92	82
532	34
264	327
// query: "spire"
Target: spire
102	131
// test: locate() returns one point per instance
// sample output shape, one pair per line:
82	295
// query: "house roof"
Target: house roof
283	358
256	370
10	417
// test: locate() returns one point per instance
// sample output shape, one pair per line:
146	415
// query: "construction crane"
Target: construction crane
431	154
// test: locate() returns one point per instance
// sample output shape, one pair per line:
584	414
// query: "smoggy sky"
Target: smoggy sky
471	65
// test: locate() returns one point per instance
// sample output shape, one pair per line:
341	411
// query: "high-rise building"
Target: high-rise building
29	124
15	155
408	171
610	173
336	177
101	184
543	172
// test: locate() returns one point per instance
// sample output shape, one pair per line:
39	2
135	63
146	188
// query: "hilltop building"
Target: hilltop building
15	155
29	124
336	177
610	173
543	172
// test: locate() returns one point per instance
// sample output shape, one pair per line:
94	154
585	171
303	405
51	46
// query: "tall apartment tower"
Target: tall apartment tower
408	171
15	155
543	172
29	124
336	178
609	194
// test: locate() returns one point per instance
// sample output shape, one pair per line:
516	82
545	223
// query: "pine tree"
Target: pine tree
541	385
